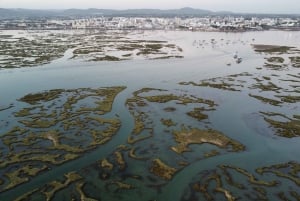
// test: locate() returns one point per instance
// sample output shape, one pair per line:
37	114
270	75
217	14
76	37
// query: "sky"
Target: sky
245	6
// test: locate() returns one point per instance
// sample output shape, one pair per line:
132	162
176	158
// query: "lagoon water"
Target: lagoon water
236	115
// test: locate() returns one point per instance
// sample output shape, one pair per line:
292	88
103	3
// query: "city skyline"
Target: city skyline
247	6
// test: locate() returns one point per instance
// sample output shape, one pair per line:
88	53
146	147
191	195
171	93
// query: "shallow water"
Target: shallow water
237	115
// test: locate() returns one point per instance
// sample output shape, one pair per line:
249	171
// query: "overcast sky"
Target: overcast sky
260	6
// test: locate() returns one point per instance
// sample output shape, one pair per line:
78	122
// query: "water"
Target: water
232	115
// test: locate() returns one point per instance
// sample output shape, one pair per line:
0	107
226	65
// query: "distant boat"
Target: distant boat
235	56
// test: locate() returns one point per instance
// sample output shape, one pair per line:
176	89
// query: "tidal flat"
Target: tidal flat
149	115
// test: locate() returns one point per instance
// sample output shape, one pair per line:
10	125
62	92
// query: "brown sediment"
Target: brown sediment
162	170
295	61
197	114
133	140
24	52
132	154
289	171
181	99
295	195
289	128
203	188
83	197
295	76
251	178
106	58
169	109
195	136
266	100
6	108
16	178
212	153
282	196
229	178
138	125
25	196
122	185
45	96
120	160
210	83
106	164
261	193
266	87
289	99
49	145
168	122
275	59
56	186
272	49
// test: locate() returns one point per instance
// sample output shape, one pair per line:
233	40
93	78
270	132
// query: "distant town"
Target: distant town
209	23
143	19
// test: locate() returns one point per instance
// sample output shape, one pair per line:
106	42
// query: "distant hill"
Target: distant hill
71	13
23	13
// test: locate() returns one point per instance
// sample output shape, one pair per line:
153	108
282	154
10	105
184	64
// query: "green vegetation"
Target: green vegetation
162	170
186	137
56	128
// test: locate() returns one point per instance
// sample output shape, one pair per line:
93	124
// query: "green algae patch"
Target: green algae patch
162	170
186	137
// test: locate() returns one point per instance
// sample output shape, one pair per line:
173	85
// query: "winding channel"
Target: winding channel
88	158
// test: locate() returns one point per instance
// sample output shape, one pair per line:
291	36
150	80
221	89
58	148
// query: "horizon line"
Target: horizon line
162	9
